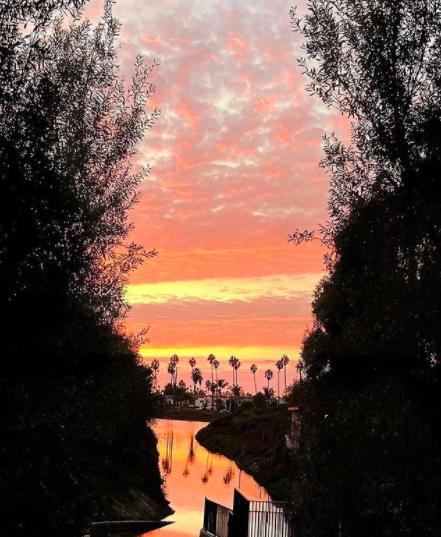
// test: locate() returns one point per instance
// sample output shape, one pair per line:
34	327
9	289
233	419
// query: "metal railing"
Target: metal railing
249	518
269	519
216	518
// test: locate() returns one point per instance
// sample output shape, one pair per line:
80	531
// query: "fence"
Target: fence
248	518
216	519
269	519
263	436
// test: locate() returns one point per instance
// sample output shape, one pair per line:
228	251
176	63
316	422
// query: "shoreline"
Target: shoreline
225	437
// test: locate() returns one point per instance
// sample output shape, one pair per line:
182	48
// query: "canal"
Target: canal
191	473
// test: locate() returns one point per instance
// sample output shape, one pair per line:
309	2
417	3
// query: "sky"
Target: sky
234	160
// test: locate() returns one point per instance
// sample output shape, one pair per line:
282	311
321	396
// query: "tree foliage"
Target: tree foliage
68	130
374	350
75	398
378	64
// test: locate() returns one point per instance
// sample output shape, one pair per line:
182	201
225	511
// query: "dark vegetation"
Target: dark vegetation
369	442
188	414
247	437
75	399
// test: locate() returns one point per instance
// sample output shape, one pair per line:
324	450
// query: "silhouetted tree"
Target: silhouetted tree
75	396
253	370
374	348
196	377
268	375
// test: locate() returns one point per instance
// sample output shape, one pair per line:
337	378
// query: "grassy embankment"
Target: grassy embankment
132	490
189	414
247	437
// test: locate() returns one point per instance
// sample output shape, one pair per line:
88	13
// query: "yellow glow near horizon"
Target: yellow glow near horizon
223	290
260	353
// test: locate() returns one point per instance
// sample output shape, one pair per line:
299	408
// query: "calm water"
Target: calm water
191	474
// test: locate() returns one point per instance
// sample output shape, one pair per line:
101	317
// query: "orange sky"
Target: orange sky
234	161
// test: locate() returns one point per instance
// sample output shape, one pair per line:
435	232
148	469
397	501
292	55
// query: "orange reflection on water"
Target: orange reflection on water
191	473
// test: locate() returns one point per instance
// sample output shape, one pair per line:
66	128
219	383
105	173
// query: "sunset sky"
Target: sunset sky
234	162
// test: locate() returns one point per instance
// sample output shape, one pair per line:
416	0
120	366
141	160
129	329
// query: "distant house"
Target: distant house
244	399
202	401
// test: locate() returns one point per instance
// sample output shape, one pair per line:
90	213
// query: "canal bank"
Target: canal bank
256	440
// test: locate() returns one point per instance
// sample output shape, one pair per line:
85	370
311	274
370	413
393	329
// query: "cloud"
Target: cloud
222	290
234	169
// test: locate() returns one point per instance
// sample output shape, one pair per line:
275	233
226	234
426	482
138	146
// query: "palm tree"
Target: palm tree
232	361
279	365
211	387
268	392
285	362
268	375
211	358
222	383
300	368
192	362
253	369
171	368
196	377
216	366
236	390
173	371
236	367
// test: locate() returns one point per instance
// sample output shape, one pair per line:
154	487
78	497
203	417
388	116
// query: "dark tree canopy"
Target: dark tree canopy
369	439
75	397
68	131
378	63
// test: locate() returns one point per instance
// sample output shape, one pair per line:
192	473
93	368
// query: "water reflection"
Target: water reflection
191	473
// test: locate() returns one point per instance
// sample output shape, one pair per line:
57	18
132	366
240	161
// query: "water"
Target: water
191	474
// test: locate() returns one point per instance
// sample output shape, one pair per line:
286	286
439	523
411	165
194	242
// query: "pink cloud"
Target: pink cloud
237	45
234	158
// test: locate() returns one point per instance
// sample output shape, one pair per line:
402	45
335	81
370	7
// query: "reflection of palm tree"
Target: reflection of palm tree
208	469
186	471
167	462
191	452
190	458
229	474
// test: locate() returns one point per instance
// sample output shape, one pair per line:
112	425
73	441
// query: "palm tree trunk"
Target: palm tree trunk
278	385
255	385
